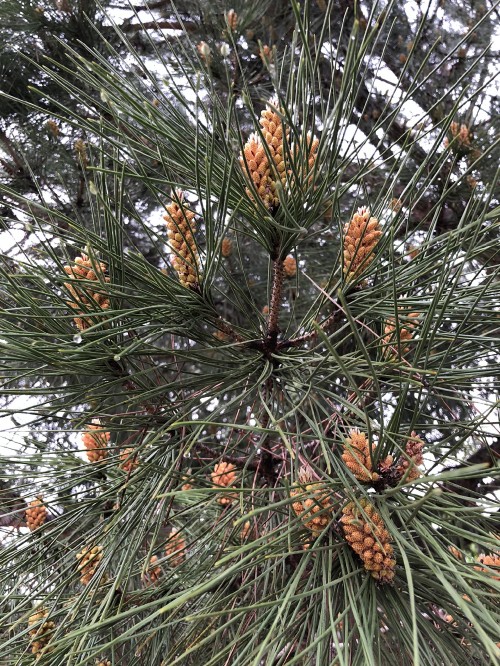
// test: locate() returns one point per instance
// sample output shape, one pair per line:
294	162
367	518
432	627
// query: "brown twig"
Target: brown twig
274	306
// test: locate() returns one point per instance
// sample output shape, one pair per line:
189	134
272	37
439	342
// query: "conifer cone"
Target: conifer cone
153	572
313	145
41	631
180	230
490	561
255	166
224	476
367	535
357	457
408	466
226	247
36	514
129	460
313	504
290	266
89	559
103	662
85	269
273	130
175	548
361	236
405	334
96	442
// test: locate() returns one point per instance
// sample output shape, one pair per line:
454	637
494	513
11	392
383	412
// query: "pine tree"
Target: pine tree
252	316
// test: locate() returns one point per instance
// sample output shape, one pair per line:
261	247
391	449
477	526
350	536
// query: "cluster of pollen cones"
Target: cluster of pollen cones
84	296
224	476
264	155
41	631
312	503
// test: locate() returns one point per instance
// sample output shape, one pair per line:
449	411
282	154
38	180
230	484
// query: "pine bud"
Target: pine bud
181	228
245	530
205	52
129	460
290	266
361	236
153	572
85	269
96	442
313	504
357	456
232	19
266	54
103	662
36	514
175	548
226	247
408	465
367	535
461	137
52	127
89	559
40	632
224	476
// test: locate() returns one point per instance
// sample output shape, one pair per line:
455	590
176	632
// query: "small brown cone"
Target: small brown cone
391	336
180	230
312	502
489	563
40	632
175	548
366	534
290	266
152	573
89	559
255	166
408	466
86	269
361	236
36	514
357	456
226	247
103	662
129	460
96	442
224	476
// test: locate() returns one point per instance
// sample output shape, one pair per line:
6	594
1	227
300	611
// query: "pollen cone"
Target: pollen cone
367	535
180	230
312	502
361	236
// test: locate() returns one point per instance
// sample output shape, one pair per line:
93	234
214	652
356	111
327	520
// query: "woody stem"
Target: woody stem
274	305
